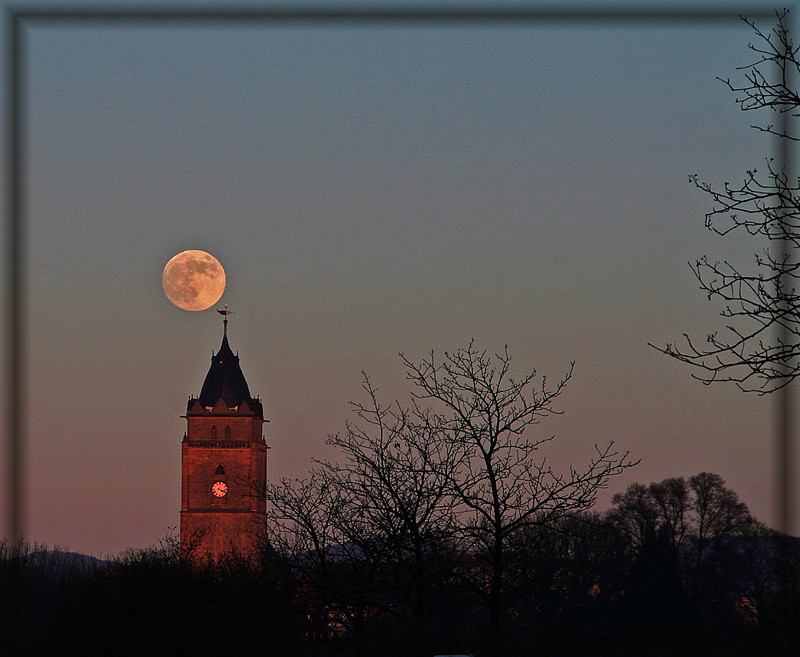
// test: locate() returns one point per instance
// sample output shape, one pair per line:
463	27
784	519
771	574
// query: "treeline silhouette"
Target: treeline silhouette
677	567
442	528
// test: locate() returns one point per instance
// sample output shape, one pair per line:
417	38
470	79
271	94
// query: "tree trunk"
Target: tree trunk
494	627
495	596
421	605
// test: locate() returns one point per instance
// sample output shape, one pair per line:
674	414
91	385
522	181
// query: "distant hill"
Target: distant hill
58	559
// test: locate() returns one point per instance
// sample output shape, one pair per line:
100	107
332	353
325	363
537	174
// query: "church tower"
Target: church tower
224	464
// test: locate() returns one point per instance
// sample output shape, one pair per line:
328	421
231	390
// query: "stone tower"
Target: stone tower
224	464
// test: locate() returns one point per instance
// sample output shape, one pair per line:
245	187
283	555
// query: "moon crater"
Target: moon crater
193	280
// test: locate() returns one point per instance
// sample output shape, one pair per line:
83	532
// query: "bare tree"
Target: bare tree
718	516
397	467
316	527
758	349
636	514
698	520
504	484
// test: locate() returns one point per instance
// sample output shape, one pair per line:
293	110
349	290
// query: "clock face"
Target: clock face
219	489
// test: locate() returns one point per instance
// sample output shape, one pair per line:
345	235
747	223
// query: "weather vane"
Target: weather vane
225	314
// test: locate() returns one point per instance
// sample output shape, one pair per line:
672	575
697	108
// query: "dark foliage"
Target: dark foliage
151	602
586	584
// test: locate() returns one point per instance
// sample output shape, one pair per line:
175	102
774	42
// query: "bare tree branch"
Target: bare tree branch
503	485
757	350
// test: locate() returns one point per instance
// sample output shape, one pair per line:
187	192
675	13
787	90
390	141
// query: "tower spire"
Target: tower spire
225	379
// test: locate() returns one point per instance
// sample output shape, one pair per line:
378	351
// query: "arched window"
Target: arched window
227	433
214	431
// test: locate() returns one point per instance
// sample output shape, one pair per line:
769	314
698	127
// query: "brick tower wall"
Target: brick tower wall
213	526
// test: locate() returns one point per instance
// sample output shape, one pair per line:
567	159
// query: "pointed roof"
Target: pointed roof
224	379
225	386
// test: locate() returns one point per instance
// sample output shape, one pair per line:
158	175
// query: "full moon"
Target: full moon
193	280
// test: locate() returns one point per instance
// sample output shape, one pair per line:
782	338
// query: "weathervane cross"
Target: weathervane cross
225	314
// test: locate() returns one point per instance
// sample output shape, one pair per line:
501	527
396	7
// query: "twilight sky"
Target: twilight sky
371	190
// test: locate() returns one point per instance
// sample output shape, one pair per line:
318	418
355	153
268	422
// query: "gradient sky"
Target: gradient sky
371	190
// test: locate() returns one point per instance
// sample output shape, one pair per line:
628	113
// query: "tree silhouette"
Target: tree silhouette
758	349
504	484
396	466
655	602
699	524
316	527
